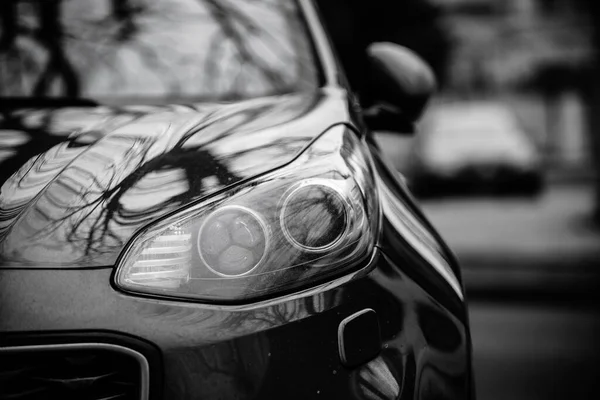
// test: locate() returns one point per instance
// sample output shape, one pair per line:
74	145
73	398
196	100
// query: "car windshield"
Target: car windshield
120	51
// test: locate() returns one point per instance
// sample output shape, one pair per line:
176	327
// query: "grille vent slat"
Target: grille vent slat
66	374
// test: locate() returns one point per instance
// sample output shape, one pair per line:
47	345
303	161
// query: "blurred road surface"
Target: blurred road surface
532	273
544	245
535	351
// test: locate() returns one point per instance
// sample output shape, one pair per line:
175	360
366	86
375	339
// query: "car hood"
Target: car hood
79	182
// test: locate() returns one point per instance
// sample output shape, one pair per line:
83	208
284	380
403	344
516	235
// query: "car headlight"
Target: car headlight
306	223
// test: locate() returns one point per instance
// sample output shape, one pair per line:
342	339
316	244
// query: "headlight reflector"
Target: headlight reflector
165	262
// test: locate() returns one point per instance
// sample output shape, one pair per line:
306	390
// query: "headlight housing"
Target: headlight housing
306	223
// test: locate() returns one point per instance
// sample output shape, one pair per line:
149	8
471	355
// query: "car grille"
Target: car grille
72	371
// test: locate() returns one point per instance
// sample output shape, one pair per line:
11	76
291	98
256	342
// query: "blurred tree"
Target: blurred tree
226	49
50	33
9	24
591	86
553	78
265	52
51	36
594	103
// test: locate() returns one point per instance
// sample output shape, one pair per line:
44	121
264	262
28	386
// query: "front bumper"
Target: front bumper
289	348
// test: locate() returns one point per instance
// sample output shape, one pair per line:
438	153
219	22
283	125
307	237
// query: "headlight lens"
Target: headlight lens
314	216
304	224
233	241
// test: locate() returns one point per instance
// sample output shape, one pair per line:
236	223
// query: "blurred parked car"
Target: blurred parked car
474	148
192	208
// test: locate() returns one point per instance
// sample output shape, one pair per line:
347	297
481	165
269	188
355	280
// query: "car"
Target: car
193	207
474	147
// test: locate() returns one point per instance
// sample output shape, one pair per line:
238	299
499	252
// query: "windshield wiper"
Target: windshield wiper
7	103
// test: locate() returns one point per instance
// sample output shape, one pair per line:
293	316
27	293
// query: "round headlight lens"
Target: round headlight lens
232	241
314	217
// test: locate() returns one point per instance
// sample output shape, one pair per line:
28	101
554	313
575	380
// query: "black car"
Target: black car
193	206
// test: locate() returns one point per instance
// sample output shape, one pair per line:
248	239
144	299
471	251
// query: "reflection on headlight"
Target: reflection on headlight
313	216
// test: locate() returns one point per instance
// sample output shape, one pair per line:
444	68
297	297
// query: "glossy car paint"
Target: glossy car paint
262	351
281	347
124	168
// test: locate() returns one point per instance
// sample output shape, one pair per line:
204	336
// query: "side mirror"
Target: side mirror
401	83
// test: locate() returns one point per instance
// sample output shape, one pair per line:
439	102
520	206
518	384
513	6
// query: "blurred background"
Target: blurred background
506	166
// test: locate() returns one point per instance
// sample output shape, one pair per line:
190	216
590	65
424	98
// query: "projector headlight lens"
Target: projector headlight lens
233	241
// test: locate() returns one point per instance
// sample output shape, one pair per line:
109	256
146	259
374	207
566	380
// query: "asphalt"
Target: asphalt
532	273
535	351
